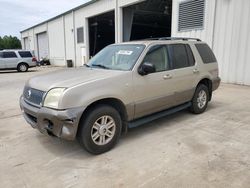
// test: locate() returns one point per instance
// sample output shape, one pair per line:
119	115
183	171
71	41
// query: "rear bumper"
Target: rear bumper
33	64
62	124
216	83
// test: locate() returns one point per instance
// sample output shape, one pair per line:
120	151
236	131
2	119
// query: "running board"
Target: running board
157	115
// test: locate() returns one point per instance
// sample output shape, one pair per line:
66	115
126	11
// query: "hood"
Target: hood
70	77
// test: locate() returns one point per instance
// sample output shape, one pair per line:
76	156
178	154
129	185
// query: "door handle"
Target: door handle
167	76
195	71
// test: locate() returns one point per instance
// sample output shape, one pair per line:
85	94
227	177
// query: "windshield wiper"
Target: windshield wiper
86	65
100	66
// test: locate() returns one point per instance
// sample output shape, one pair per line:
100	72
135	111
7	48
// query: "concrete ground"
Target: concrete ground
181	150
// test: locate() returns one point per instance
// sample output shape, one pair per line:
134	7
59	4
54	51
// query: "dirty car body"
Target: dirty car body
138	80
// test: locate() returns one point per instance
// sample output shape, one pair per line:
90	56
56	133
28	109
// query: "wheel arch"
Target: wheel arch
113	102
22	62
207	82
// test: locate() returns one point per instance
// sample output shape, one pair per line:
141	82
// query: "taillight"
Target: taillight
34	59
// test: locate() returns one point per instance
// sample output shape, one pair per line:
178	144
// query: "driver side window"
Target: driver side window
157	55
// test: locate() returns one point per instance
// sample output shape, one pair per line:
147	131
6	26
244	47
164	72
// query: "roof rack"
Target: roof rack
174	38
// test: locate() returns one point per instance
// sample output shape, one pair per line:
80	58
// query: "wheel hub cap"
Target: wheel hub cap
23	67
103	130
202	99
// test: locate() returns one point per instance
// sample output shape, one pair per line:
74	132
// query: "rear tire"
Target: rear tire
100	129
22	67
200	99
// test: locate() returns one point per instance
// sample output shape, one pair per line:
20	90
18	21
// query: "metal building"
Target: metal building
81	32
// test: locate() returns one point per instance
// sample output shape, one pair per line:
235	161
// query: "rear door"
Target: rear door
10	59
184	70
26	56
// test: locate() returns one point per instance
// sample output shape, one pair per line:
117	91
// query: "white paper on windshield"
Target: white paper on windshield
125	52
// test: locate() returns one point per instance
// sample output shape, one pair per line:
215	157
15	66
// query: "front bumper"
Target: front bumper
59	123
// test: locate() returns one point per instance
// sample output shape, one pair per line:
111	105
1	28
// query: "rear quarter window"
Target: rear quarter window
206	53
25	54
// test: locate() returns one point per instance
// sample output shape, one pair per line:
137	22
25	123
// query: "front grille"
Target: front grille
33	96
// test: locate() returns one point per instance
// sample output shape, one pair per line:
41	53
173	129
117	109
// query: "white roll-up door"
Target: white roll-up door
42	45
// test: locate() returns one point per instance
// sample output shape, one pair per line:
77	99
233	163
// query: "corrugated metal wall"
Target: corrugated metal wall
232	40
226	30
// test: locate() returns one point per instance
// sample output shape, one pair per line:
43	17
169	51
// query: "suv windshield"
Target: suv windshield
117	57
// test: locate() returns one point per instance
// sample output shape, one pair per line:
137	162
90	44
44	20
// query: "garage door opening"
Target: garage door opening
101	32
148	19
42	45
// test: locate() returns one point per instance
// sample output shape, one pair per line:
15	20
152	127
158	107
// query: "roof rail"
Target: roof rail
174	38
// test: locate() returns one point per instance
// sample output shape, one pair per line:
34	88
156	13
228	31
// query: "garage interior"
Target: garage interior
101	32
149	19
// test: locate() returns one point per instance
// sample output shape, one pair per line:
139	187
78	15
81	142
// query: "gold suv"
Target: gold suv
125	85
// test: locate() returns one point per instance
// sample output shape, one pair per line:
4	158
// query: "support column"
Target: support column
119	25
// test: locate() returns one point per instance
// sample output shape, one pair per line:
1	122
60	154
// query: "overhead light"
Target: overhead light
166	11
94	24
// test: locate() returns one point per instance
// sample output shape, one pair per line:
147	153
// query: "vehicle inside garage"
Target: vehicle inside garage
101	32
149	19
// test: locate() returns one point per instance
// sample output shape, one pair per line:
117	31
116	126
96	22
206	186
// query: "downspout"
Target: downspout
47	30
64	34
116	22
73	14
34	41
215	15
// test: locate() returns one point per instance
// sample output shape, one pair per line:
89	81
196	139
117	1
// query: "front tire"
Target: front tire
100	129
200	99
22	67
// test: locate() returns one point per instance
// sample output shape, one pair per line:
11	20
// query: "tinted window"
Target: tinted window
25	54
80	38
157	55
178	56
206	53
9	55
190	56
1	54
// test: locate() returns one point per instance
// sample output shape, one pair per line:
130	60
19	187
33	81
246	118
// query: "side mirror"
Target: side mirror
146	68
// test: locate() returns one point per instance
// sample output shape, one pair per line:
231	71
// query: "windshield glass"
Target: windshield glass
117	57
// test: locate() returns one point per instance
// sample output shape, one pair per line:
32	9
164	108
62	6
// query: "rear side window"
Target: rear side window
180	56
9	55
206	53
25	54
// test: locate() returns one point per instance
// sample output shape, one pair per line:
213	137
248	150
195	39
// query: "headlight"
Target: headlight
52	98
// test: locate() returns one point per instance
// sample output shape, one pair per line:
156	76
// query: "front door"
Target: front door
154	92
